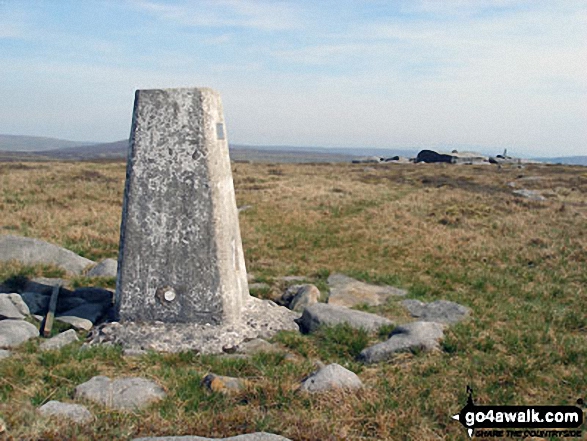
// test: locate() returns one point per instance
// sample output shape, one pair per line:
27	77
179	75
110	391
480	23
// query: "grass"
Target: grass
442	232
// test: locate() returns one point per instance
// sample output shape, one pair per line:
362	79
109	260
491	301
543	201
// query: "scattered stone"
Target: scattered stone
34	251
409	337
324	314
122	393
74	412
60	340
260	319
305	296
289	279
441	311
257	345
19	303
106	268
346	291
4	354
78	323
260	286
529	194
330	377
8	310
221	383
257	436
15	332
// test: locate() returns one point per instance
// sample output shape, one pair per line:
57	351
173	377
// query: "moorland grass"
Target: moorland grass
440	231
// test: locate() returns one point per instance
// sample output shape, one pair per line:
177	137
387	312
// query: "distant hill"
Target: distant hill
108	150
571	160
17	143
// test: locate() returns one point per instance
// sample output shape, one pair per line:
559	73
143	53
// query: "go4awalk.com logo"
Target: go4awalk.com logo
520	421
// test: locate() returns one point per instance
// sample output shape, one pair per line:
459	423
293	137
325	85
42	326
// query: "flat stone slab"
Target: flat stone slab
257	436
13	333
441	311
106	268
35	251
409	337
8	310
122	393
74	412
325	314
349	292
59	341
81	324
260	319
330	377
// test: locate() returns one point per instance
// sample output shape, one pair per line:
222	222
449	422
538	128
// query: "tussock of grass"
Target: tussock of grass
442	232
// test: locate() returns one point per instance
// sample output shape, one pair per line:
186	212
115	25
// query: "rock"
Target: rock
80	324
408	337
122	393
34	251
259	286
4	354
289	279
18	302
221	383
257	345
8	310
346	291
59	340
257	436
529	194
367	160
330	377
324	314
305	296
244	208
106	268
441	311
15	332
74	412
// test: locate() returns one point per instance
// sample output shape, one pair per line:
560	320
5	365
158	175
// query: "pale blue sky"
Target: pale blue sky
370	73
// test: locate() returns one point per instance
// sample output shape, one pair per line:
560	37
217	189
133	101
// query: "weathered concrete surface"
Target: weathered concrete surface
181	258
34	251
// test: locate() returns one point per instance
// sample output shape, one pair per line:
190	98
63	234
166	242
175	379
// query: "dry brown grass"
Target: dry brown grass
450	232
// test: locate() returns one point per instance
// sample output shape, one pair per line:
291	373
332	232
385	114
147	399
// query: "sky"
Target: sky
476	74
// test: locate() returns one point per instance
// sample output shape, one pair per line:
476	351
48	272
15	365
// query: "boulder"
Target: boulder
106	268
221	383
297	297
35	251
409	337
8	310
440	311
60	340
122	393
330	377
346	291
323	314
81	324
15	332
257	436
74	412
18	302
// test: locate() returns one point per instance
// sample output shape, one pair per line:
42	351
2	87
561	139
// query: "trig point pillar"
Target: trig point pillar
181	258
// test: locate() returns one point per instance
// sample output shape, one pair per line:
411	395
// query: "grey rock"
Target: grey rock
60	340
4	354
74	412
441	311
18	302
529	194
81	324
305	296
8	310
34	251
409	337
349	292
15	332
122	393
257	436
289	279
323	314
106	268
330	377
181	256
224	384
